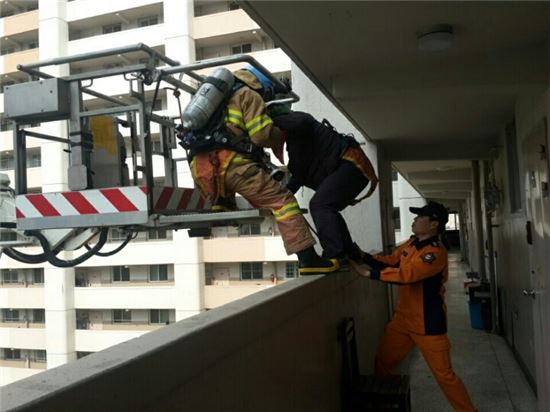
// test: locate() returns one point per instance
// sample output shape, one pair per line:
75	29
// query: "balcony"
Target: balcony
20	296
152	35
223	24
96	340
225	292
20	23
9	62
17	335
244	249
85	9
122	297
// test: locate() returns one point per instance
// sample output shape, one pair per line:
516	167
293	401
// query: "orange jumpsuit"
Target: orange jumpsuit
225	172
420	268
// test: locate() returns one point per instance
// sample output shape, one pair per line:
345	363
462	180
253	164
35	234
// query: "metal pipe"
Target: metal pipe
101	96
203	64
45	136
110	110
97	55
96	74
179	84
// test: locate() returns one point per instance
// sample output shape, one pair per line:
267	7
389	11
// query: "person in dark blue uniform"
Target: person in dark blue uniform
335	167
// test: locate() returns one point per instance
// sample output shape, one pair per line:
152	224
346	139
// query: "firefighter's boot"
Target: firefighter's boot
310	263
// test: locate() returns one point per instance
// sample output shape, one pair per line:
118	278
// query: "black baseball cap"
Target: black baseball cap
434	210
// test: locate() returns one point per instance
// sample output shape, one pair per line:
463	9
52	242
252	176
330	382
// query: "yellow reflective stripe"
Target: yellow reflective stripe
290	209
288	214
236	121
356	164
235	112
257	124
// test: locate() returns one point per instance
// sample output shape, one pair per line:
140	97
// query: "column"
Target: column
188	268
58	283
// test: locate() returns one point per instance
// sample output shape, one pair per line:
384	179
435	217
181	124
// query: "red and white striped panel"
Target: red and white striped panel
178	198
96	207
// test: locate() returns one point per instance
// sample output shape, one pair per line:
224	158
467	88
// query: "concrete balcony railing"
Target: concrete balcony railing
245	249
277	350
19	296
221	24
85	9
151	35
22	337
9	62
151	297
228	291
96	340
19	23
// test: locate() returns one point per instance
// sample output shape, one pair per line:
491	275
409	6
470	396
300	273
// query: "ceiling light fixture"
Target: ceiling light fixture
435	38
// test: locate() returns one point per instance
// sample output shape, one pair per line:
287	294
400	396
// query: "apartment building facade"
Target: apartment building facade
50	316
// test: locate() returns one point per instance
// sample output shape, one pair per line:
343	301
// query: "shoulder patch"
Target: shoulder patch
428	257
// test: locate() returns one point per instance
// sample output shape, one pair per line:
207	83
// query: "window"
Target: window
38	275
248	229
32	7
157	144
122	316
233	5
241	48
39	315
148	21
40	356
12	354
7	50
157	234
34	159
252	270
112	28
10	276
10	315
121	274
7	161
396	219
291	269
514	187
159	316
158	273
32	45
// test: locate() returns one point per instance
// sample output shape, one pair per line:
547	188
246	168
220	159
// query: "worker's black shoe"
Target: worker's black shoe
310	263
224	204
355	253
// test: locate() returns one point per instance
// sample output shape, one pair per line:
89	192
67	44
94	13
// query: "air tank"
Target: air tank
208	97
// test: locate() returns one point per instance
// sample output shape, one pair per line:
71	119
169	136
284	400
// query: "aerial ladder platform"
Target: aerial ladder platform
103	191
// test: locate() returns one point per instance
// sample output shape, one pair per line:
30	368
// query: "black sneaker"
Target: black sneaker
310	263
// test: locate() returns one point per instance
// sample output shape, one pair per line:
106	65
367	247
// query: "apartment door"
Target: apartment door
535	150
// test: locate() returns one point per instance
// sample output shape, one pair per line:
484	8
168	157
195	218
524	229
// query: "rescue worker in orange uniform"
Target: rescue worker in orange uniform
335	166
420	268
220	171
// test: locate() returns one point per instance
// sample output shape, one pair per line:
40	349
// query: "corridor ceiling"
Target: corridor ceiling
418	106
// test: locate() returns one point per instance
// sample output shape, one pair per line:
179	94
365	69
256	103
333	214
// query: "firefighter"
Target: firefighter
332	164
220	171
420	268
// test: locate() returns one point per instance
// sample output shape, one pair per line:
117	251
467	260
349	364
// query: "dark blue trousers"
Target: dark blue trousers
332	196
